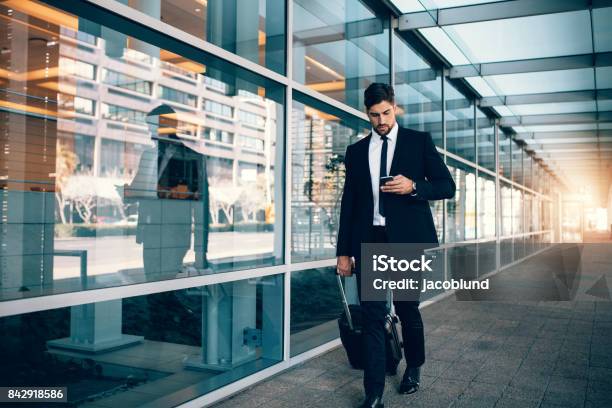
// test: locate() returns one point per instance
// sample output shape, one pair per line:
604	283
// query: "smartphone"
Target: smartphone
384	180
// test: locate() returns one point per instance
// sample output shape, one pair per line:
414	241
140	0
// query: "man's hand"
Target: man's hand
344	265
399	185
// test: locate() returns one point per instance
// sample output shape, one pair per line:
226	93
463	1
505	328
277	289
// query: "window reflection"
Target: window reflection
418	91
339	48
319	139
163	348
254	30
527	170
486	206
517	163
517	211
315	307
485	137
158	167
505	156
459	124
506	209
461	209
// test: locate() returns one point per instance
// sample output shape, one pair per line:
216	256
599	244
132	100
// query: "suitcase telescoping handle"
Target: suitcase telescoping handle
345	303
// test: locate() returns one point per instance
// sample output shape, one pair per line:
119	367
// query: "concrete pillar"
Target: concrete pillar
96	328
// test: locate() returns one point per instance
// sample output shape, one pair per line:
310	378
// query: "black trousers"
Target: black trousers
374	313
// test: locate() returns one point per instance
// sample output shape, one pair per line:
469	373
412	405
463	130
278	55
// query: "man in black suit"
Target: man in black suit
397	212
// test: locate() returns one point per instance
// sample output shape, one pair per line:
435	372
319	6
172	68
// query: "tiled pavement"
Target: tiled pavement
479	354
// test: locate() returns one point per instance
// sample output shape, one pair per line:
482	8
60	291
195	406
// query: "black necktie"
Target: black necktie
383	173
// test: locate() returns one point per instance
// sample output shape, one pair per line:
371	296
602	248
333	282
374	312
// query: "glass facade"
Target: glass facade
133	176
182	207
254	30
320	135
158	347
418	91
340	47
460	132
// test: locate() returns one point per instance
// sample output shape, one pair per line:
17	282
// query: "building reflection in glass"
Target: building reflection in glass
75	101
162	348
320	136
340	47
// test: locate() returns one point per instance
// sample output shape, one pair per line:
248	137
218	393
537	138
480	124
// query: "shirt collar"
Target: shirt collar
392	135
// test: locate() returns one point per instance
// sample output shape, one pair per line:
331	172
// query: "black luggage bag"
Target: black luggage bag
350	326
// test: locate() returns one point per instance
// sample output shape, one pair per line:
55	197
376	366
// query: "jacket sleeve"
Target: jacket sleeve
438	183
346	208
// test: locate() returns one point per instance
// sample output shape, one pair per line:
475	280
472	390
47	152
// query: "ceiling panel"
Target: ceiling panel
542	82
408	6
553	108
543	36
443	44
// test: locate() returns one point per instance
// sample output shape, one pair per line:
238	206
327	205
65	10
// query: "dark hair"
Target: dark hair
378	92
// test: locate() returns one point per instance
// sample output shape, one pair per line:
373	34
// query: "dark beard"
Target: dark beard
384	133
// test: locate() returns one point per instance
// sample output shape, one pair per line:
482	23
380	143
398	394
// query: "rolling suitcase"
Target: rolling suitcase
350	326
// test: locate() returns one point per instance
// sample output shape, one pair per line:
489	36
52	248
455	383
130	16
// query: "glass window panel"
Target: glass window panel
78	68
481	86
418	92
485	138
443	44
564	128
486	206
505	155
315	307
604	105
527	171
506	209
521	38
319	139
163	348
459	124
602	29
503	110
553	108
408	6
127	81
517	163
527	208
340	47
437	211
517	211
461	209
487	257
137	192
254	30
432	4
604	77
541	82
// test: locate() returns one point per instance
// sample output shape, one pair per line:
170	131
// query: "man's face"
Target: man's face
382	117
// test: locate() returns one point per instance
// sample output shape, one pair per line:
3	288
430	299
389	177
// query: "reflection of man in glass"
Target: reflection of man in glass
171	187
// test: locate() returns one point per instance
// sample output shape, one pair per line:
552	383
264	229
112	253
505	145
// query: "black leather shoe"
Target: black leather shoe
373	401
410	381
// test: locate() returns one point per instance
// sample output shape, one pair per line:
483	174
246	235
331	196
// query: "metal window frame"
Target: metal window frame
493	11
550	97
602	59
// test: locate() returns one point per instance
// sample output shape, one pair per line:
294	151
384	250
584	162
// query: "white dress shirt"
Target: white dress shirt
374	151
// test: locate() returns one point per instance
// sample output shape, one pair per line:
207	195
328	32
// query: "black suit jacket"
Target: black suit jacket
408	218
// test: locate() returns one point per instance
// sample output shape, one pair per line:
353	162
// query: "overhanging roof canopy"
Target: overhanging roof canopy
545	66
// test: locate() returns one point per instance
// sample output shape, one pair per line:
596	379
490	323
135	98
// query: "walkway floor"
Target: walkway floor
479	354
